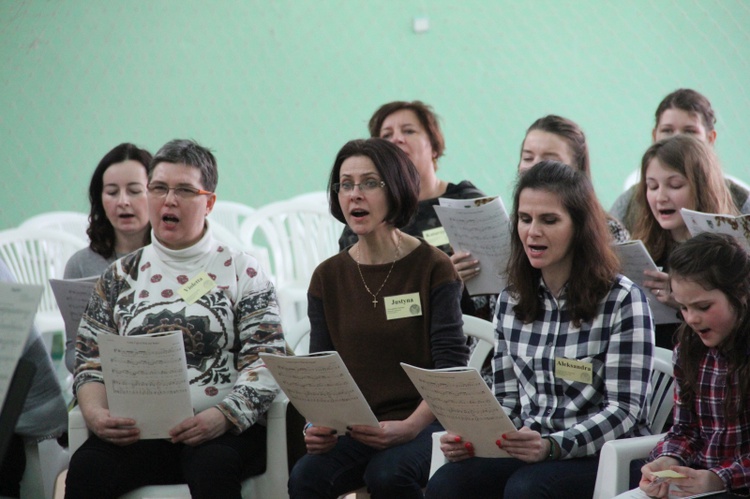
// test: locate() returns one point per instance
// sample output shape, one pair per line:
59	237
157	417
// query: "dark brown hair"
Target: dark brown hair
100	231
716	261
595	264
425	114
573	135
690	101
395	168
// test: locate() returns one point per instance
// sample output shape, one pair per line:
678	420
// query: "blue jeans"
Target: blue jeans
397	472
509	478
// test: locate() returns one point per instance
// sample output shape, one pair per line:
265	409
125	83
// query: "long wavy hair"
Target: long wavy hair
101	232
698	163
716	261
595	264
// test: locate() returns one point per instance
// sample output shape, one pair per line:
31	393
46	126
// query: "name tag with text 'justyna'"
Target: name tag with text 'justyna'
401	306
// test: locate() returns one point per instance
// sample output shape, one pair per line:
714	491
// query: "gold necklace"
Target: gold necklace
375	295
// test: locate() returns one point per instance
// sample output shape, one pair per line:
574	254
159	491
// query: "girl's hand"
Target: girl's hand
658	285
466	266
454	448
652	485
696	482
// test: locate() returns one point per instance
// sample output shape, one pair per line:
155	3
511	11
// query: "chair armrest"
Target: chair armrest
78	432
613	474
438	458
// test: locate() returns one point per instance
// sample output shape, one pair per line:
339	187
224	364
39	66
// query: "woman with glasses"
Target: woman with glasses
224	329
415	129
352	305
118	218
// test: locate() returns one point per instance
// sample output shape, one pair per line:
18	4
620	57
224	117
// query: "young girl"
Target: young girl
565	304
677	172
709	441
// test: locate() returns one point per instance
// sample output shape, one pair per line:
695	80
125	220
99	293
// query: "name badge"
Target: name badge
574	370
402	306
196	287
436	236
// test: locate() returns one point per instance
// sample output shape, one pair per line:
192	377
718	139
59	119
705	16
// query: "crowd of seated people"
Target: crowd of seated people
565	302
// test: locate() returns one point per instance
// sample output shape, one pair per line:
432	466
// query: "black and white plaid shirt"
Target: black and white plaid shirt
618	344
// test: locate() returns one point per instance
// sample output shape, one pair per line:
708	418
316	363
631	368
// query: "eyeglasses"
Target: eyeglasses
366	186
161	191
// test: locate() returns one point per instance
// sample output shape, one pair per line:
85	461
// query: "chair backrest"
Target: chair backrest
34	257
662	390
298	337
72	222
230	215
299	235
315	197
484	331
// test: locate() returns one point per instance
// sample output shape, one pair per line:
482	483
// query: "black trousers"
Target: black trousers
216	468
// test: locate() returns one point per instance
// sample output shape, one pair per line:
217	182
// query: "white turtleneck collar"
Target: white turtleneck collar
186	256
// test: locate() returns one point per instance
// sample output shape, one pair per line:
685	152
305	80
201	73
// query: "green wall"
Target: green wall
276	87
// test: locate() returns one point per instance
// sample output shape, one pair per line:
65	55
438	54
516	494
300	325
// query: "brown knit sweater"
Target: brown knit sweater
342	318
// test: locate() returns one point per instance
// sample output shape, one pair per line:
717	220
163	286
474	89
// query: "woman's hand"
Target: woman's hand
466	266
388	434
118	431
526	445
320	439
92	399
649	483
658	284
202	427
454	448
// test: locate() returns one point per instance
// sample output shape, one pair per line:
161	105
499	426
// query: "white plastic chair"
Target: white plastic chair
35	256
298	337
230	215
72	222
315	197
271	484
484	331
613	475
299	235
45	460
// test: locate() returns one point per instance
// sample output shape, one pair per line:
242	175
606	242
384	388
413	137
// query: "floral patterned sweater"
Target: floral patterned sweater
224	330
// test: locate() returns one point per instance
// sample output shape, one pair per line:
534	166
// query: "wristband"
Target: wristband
552	446
304	430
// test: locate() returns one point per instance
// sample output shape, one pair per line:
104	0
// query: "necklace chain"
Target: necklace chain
375	295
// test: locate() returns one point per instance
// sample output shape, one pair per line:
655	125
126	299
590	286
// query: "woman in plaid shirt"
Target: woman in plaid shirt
574	349
709	442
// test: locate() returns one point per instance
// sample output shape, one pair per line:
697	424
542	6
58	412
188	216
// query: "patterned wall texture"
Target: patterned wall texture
275	87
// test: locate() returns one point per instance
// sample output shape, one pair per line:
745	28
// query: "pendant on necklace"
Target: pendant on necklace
374	302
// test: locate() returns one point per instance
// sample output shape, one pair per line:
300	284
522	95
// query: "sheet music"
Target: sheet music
72	296
634	259
18	306
320	387
698	222
146	379
482	227
464	405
